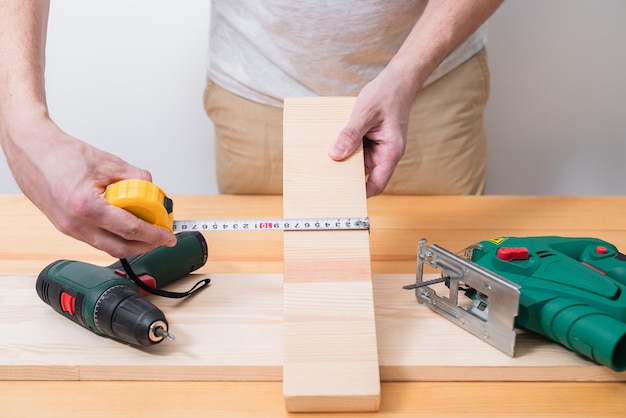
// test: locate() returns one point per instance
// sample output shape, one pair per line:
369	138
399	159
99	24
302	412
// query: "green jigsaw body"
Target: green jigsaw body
573	290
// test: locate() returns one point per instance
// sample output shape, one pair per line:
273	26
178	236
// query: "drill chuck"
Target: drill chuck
122	314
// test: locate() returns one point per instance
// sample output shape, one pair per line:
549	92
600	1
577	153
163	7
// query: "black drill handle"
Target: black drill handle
167	264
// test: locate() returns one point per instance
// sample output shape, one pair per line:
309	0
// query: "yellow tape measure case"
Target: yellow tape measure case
143	199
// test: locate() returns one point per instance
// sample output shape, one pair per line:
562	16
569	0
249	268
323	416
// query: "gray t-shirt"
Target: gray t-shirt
266	50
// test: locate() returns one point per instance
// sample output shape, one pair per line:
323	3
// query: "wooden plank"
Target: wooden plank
398	222
230	331
330	348
264	399
233	331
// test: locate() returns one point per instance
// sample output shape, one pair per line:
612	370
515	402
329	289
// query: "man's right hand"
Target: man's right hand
66	177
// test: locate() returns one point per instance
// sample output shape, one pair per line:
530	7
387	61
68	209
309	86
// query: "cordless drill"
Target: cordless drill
105	301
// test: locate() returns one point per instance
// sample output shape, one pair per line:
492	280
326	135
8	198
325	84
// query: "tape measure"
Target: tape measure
272	224
149	202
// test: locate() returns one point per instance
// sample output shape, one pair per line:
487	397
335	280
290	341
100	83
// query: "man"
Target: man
412	54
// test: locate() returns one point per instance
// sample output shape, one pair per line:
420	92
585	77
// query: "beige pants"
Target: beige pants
446	149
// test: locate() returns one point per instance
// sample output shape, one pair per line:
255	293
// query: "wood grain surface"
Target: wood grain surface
330	355
397	223
233	331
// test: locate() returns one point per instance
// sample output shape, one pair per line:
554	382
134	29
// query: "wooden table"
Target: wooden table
30	242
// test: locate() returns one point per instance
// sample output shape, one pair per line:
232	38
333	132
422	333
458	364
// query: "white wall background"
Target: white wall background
128	77
557	114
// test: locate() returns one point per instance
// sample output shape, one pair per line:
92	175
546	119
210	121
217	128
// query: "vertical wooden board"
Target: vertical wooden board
315	185
330	349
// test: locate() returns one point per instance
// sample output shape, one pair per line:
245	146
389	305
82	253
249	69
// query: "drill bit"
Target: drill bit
162	333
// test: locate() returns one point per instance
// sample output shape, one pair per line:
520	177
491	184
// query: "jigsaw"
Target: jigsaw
568	289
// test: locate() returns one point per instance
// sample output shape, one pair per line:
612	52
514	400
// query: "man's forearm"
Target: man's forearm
22	59
443	26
